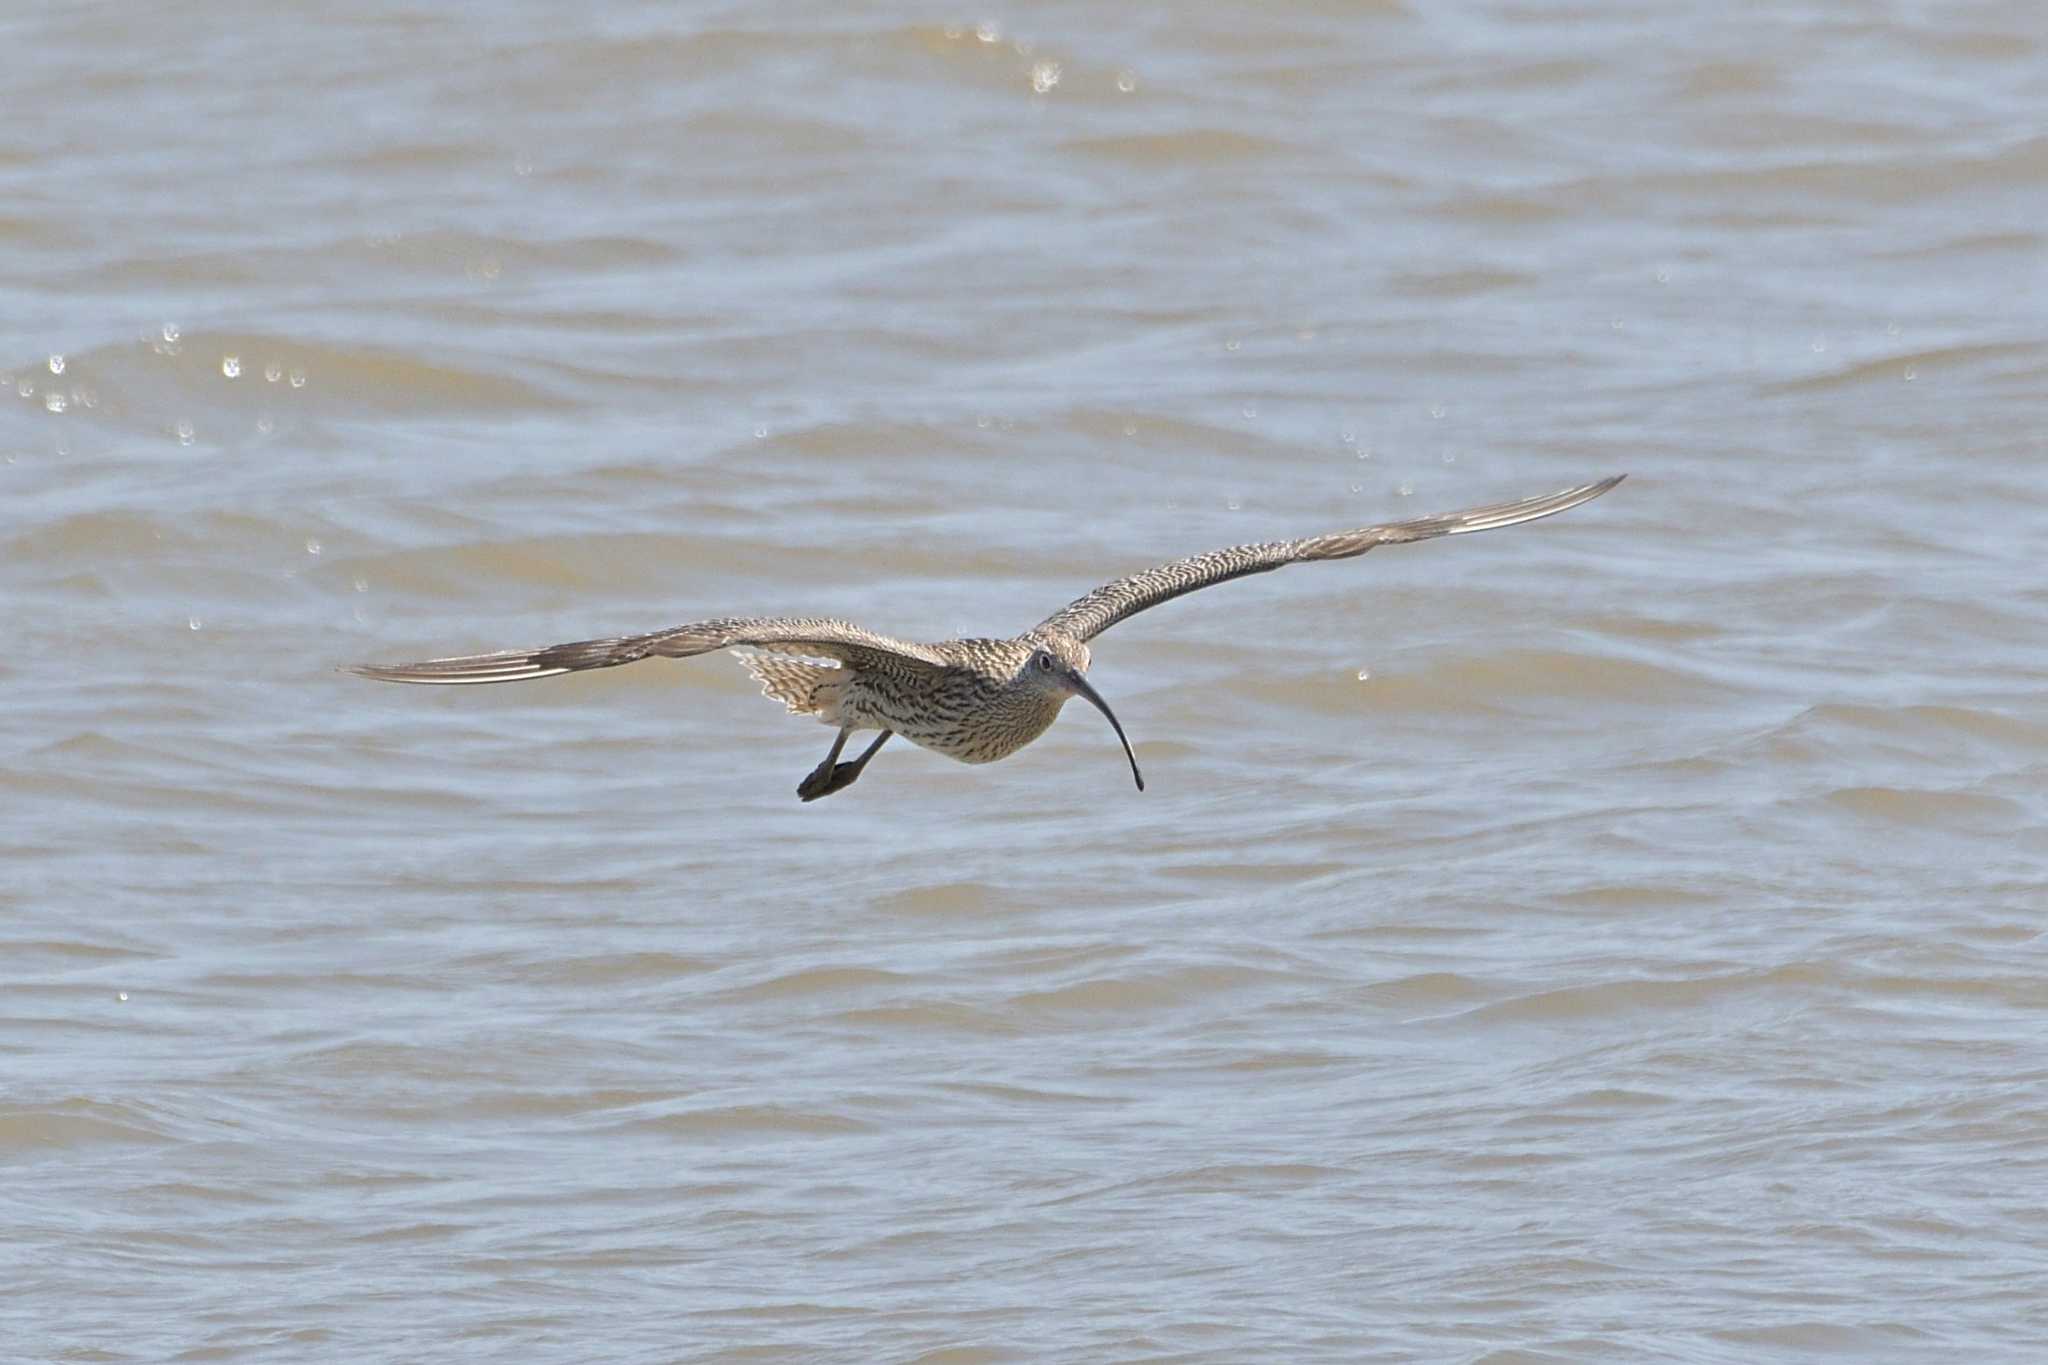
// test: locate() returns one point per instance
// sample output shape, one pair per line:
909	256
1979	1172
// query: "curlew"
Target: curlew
975	700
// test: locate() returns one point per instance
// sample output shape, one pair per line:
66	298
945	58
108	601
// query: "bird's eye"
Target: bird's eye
1045	661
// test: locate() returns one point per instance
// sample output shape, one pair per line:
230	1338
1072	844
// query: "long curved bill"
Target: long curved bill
1081	686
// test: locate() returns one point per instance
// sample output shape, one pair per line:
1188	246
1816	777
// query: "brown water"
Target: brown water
1612	939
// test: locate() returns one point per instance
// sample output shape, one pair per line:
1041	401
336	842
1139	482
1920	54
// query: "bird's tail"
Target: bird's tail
804	687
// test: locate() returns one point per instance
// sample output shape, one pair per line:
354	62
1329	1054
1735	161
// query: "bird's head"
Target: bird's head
1054	669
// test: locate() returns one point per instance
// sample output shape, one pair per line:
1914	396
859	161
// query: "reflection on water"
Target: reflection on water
1614	938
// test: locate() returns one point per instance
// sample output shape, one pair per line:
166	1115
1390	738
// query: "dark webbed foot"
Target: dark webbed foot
830	776
826	779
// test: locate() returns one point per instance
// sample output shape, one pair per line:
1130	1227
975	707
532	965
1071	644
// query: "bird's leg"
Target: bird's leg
830	776
816	784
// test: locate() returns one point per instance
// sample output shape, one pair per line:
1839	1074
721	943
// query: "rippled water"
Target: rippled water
1612	939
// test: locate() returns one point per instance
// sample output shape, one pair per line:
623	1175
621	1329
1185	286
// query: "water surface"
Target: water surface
1611	939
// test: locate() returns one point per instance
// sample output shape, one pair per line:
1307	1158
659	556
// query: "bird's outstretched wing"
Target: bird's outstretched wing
1086	617
821	638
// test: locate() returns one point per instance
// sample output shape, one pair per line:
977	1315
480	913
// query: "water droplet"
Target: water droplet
298	377
1130	428
1231	344
1663	274
1891	329
1251	409
231	366
760	433
1616	324
1025	47
1437	411
1911	374
989	31
170	333
1450	457
273	372
312	545
265	424
191	623
1365	675
1235	503
1365	452
122	996
1044	76
982	420
1406	490
26	388
1348	436
1819	344
54	401
362	584
185	433
1358	488
1127	80
522	164
56	363
956	31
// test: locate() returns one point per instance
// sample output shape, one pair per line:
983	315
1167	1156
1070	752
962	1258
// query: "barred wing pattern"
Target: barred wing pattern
1086	617
817	637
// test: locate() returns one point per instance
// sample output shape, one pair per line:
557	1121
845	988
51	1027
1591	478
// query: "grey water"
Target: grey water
1616	938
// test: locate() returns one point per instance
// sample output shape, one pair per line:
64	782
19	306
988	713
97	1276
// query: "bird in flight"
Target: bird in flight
976	700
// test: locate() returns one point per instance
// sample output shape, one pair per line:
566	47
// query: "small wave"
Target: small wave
1430	991
94	537
1503	681
1142	991
617	968
742	1119
723	132
1226	1178
817	981
1198	146
1925	806
1017	1094
1457	284
963	1355
1890	369
1816	185
408	1233
1215	1179
940	898
1612	999
1844	1341
216	381
21	953
1937	730
70	1124
931	1018
1496	208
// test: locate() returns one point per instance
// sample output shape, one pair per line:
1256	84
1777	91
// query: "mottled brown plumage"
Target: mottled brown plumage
976	700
